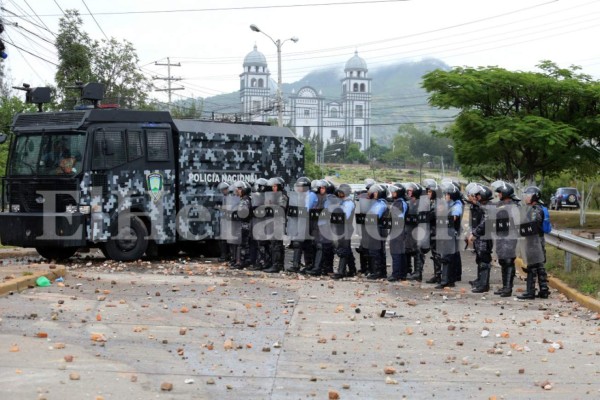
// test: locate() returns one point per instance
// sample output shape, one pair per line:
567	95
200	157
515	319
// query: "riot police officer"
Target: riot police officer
413	249
260	257
480	196
362	207
376	232
277	201
434	194
299	227
534	252
341	219
398	210
506	234
448	217
244	216
224	256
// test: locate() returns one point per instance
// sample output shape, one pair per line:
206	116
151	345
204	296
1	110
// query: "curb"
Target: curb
25	282
568	291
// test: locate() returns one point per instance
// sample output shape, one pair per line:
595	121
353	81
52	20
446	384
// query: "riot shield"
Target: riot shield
445	232
373	227
530	246
298	227
397	229
422	231
341	227
411	224
259	214
364	205
233	227
504	229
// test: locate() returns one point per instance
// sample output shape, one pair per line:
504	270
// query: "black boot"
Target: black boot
376	270
341	272
437	271
503	269
529	294
445	278
510	277
475	283
543	282
317	268
483	279
417	275
351	266
296	260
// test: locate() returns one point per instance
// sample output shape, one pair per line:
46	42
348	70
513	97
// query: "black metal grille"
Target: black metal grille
27	194
63	120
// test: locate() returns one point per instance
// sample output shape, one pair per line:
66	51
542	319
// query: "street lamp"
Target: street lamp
442	160
278	43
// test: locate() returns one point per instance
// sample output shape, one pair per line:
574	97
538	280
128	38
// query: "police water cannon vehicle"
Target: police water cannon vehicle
128	182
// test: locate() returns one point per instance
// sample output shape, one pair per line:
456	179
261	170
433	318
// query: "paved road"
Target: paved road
242	335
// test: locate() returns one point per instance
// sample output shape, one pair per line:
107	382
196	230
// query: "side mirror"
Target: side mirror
3	138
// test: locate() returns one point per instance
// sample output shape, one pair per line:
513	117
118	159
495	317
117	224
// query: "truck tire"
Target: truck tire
56	253
130	243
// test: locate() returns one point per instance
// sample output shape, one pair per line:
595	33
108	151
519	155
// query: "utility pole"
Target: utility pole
169	78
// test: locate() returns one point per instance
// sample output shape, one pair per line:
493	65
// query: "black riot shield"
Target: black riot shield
503	220
411	224
422	231
397	229
259	215
298	227
232	228
445	232
530	244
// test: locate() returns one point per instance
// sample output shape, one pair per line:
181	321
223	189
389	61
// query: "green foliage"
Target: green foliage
74	49
311	170
114	64
353	154
584	275
513	123
110	62
9	106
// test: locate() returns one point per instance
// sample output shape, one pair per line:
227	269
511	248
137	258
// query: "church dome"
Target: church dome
356	63
255	58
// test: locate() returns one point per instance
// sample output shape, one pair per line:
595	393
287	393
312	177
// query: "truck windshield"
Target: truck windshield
48	154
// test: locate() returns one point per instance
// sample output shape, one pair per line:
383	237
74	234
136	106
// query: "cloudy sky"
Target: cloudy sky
211	38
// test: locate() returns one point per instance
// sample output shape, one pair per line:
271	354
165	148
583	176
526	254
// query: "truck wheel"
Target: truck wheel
129	243
56	253
207	248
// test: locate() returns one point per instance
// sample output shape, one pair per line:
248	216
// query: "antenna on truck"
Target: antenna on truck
37	95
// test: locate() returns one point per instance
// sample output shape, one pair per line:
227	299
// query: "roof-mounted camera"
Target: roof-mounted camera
37	95
92	92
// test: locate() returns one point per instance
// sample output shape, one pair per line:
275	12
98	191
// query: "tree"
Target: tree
74	54
9	106
518	123
114	64
311	170
353	154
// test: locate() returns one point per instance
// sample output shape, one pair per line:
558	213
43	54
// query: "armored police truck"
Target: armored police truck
128	182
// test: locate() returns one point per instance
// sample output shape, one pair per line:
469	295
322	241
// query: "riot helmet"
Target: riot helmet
244	187
262	185
317	184
345	189
399	190
369	182
485	193
302	184
450	189
376	189
223	187
506	190
534	192
432	186
330	188
412	190
473	189
276	181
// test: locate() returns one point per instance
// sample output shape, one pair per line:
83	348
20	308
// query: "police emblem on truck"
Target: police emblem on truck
155	185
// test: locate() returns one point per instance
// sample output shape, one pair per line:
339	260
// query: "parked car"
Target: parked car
565	197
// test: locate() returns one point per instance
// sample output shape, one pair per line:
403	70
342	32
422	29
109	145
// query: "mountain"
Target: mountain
397	96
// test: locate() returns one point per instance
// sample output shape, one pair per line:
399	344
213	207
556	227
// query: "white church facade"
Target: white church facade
307	112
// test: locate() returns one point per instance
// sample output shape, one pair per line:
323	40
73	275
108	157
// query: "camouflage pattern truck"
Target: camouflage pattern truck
129	182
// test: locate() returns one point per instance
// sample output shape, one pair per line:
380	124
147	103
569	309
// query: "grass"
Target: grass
584	275
346	173
570	220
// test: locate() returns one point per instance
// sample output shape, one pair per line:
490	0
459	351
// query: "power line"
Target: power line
345	3
30	53
94	18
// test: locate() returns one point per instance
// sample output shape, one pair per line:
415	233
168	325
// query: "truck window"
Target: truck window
157	145
134	145
109	150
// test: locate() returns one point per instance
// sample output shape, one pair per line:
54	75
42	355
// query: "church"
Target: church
307	112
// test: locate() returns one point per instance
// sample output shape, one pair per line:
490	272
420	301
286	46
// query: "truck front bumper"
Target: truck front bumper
36	229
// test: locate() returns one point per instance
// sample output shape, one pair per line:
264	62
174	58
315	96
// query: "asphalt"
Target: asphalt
115	331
